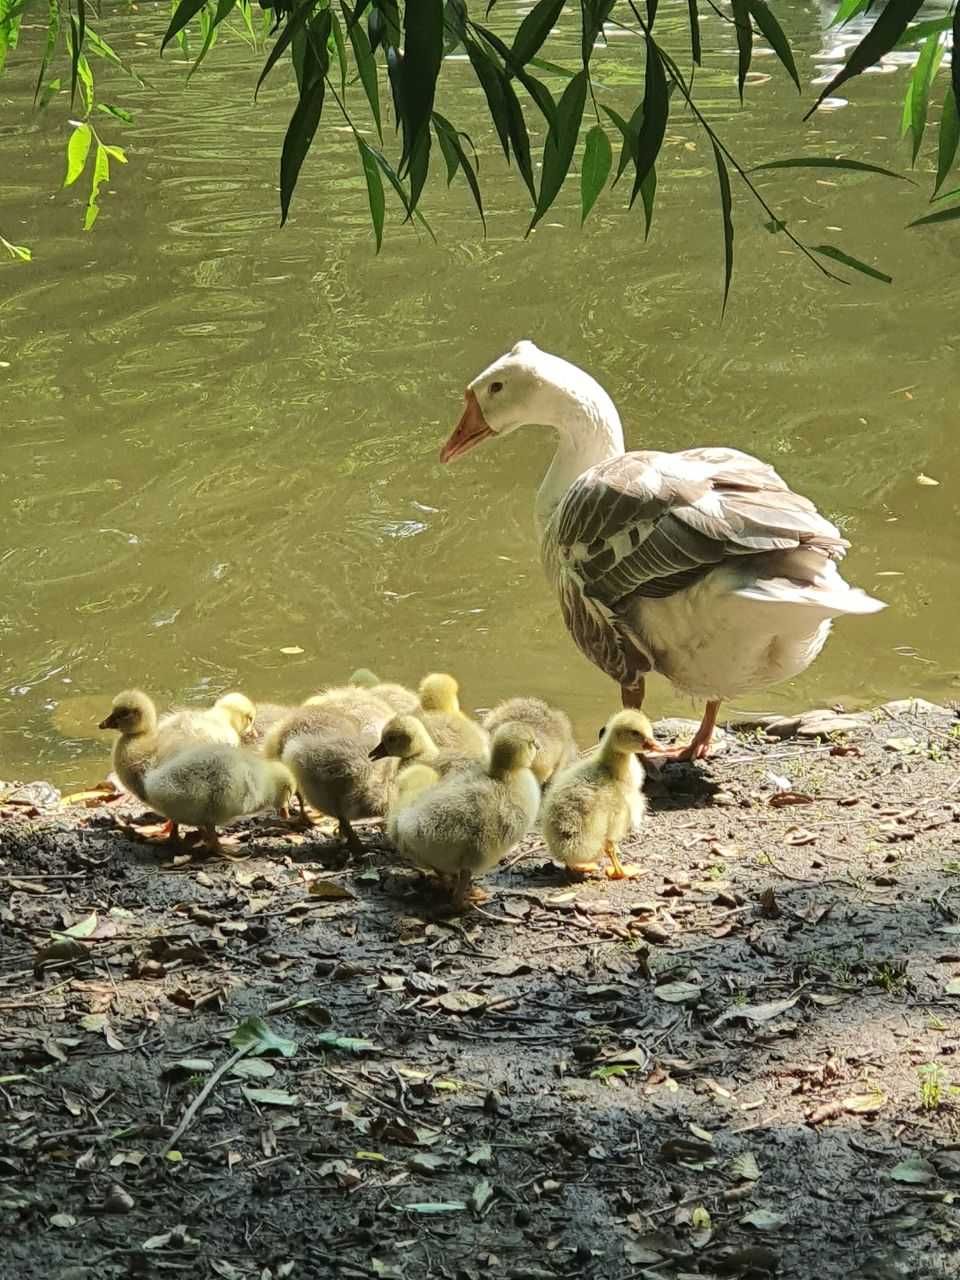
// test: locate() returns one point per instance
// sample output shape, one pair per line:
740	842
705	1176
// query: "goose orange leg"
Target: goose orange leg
699	745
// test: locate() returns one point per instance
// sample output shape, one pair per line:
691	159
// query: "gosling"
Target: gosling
449	727
465	823
208	786
593	804
552	727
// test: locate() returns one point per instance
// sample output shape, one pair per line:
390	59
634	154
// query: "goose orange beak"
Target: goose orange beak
469	431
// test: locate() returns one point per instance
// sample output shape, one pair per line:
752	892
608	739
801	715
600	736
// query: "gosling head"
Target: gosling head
364	678
439	692
284	785
405	737
133	712
514	746
239	712
629	732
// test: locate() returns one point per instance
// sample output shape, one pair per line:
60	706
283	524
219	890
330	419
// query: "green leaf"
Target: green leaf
744	30
341	48
256	1037
294	25
272	1097
629	129
879	40
185	11
694	16
22	253
954	59
11	13
949	136
656	108
116	153
53	34
773	34
559	146
350	1044
366	66
597	161
119	113
534	29
253	1069
648	193
726	210
943	215
78	27
422	56
594	14
454	25
85	75
917	99
916	1170
103	50
827	162
519	137
50	90
375	196
306	116
913	35
553	68
449	140
78	148
830	251
491	81
208	27
101	173
849	9
538	91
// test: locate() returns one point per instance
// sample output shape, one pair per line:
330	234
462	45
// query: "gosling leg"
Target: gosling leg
617	870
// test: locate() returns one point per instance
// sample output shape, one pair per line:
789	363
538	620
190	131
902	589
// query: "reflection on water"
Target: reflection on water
220	439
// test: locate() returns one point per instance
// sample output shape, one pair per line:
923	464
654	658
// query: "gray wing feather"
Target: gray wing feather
649	524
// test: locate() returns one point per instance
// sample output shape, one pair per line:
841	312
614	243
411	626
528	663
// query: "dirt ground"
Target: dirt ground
745	1063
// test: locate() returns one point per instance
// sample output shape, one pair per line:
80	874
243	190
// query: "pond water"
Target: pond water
218	439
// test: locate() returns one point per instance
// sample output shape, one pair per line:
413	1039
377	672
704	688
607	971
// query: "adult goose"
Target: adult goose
702	565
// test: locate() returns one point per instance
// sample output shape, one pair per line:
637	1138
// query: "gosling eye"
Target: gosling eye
495	387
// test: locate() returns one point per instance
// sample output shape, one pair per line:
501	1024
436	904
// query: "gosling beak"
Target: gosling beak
469	431
109	722
379	752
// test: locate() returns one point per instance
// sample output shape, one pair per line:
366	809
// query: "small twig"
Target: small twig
74	875
212	1082
34	1001
380	1102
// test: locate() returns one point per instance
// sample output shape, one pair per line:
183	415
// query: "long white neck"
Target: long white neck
588	430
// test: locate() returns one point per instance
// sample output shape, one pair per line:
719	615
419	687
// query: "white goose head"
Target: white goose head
529	386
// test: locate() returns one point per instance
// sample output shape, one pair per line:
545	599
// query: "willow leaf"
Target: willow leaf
595	169
949	136
838	255
774	35
375	196
879	40
726	211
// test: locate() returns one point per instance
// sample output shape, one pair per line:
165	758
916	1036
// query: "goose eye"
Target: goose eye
495	387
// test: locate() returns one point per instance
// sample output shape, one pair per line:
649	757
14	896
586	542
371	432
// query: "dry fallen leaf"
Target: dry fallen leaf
865	1103
756	1012
291	649
329	889
678	992
927	480
801	836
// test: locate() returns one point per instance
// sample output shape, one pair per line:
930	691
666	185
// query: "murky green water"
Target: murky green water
219	439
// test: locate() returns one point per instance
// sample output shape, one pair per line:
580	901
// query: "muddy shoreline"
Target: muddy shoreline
746	1063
